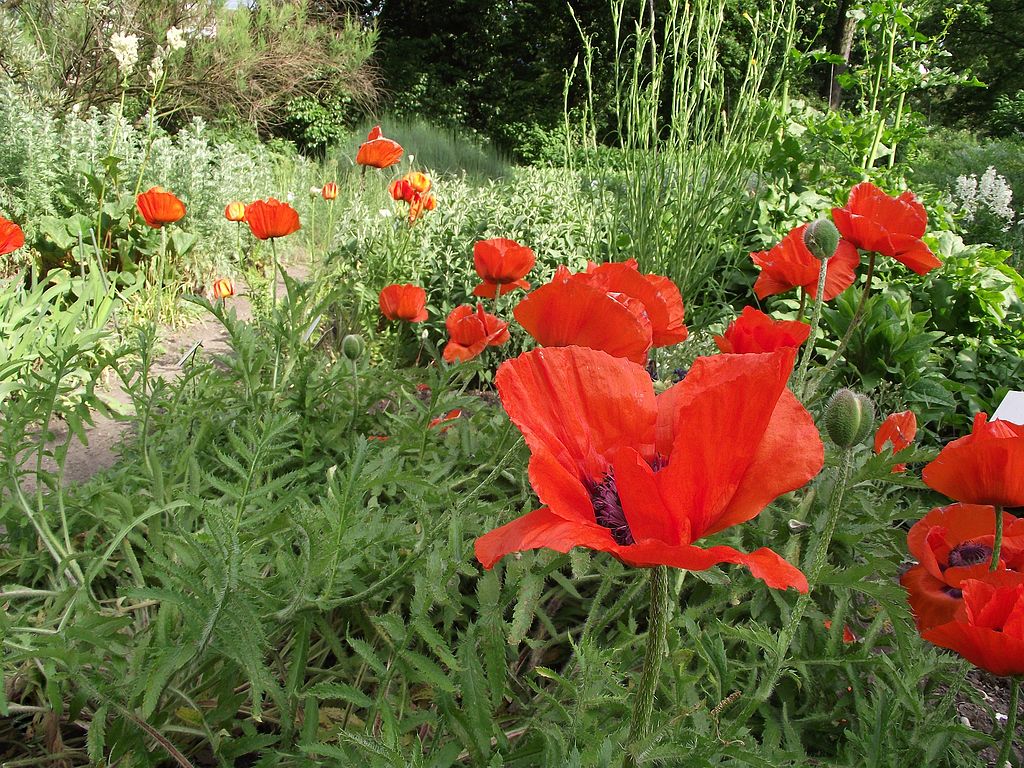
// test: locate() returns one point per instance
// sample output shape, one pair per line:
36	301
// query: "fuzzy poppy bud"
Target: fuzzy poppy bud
849	418
353	346
821	238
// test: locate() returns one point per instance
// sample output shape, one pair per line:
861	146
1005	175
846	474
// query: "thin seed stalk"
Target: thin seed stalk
998	543
657	636
1011	723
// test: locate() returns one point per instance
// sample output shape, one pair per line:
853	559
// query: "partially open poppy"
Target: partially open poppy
223	288
11	237
329	191
159	207
988	628
271	218
377	151
754	331
643	477
571	312
406	302
791	265
470	331
984	467
898	430
951	544
502	264
891	226
235	211
419	204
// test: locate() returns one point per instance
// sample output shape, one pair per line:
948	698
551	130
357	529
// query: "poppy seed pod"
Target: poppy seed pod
848	418
353	346
821	238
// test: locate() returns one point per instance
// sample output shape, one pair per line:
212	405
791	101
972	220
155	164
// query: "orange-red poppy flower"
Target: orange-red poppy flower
400	189
754	331
405	302
891	226
951	544
419	182
11	237
159	207
452	415
419	204
235	211
470	331
329	191
502	264
571	312
791	265
643	477
377	151
988	628
223	288
984	467
898	430
271	218
660	297
848	636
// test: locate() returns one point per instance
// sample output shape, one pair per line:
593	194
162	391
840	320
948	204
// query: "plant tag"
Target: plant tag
1011	409
191	351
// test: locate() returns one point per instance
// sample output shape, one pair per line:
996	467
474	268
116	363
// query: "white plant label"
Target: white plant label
1012	408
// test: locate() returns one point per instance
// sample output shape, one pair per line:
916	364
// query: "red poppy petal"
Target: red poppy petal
915	254
568	313
578	405
997	652
659	295
840	271
648	514
930	601
540	529
980	471
763	563
560	488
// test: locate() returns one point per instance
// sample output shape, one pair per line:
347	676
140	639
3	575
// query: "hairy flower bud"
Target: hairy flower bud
849	418
821	238
353	346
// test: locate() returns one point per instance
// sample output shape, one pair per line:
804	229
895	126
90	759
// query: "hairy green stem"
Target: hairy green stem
657	633
997	545
819	299
1011	724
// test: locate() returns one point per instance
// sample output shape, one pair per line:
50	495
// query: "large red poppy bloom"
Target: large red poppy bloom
573	312
891	226
271	218
406	302
951	544
470	331
898	430
791	265
754	331
502	264
643	477
984	467
159	207
988	628
11	237
377	151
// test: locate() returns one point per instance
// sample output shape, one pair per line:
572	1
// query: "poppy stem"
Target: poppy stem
803	304
1011	724
998	543
819	299
657	635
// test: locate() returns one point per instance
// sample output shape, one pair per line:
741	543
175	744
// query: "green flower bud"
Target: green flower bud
353	346
848	418
821	238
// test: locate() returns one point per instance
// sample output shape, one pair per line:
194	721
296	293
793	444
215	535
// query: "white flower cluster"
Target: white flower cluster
175	39
126	50
175	42
992	194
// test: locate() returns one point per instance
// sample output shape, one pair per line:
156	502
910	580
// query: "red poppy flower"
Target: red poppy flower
159	207
791	265
11	237
502	264
985	467
848	636
754	331
329	191
643	477
988	628
452	415
951	544
271	218
234	211
419	182
660	297
223	288
401	189
891	226
570	312
470	331
406	302
377	151
419	204
898	430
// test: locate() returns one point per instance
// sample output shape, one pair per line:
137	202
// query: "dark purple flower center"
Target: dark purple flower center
608	510
969	553
953	592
